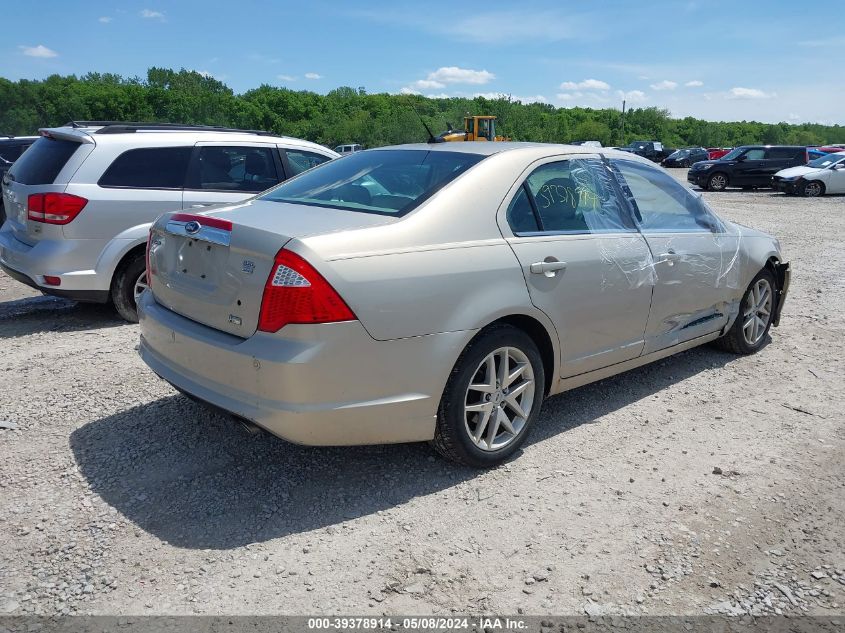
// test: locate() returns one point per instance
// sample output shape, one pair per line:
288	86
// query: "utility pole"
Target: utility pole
622	141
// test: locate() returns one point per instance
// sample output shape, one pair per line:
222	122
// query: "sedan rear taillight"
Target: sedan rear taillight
296	293
54	208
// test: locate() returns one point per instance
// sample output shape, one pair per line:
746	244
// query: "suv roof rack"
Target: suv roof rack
123	127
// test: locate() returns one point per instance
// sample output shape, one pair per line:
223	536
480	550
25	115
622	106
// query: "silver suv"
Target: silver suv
80	201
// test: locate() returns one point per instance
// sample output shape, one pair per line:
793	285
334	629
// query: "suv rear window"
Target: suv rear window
43	161
386	182
149	168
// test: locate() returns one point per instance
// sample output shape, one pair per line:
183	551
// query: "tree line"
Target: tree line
348	115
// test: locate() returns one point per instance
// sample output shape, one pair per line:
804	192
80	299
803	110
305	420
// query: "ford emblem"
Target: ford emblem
192	227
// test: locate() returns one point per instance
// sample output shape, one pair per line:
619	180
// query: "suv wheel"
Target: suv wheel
128	284
717	182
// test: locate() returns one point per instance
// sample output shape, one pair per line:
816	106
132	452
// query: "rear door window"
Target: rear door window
149	168
227	168
755	154
43	161
300	160
569	196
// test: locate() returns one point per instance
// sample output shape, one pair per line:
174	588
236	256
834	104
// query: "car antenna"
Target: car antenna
431	137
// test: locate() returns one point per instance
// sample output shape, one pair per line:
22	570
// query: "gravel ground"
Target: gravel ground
705	483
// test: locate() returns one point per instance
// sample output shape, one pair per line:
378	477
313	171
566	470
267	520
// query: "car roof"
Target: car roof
9	139
92	134
487	148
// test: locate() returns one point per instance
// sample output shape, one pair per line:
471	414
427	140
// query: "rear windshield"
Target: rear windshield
42	161
385	182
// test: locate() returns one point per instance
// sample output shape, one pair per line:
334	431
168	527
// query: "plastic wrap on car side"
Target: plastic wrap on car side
709	256
601	210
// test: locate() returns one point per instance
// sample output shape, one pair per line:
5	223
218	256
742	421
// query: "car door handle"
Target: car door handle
669	257
547	268
198	206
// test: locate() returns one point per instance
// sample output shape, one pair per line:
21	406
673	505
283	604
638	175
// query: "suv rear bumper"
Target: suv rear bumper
29	264
323	385
90	296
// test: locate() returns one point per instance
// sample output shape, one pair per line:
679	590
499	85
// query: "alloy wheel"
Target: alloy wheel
813	189
499	399
140	286
718	182
757	312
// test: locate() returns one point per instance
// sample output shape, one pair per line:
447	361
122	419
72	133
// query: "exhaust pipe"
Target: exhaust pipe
250	427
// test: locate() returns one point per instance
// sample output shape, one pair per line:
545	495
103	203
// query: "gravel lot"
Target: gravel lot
704	483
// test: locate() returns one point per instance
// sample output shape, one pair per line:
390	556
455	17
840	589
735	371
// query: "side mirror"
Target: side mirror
840	165
739	159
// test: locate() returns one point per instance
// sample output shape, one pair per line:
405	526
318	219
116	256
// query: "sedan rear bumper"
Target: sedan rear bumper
328	384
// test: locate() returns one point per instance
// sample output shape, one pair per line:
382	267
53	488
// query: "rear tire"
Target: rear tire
747	335
492	399
812	189
717	182
125	284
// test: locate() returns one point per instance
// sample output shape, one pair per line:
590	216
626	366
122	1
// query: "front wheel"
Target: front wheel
717	182
812	189
129	282
748	332
491	400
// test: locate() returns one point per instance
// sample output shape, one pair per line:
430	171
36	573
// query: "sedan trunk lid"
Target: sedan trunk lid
212	267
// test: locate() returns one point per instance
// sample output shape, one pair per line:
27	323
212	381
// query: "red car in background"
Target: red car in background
831	149
714	153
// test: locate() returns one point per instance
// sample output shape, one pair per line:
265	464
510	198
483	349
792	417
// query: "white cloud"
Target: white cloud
445	75
569	96
587	84
104	20
455	75
286	77
664	85
427	84
313	76
634	96
695	83
749	93
151	15
408	91
38	51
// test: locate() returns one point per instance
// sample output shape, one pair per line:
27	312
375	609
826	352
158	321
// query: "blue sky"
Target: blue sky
716	59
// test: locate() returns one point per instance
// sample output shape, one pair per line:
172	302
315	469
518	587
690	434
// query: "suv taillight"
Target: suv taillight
296	293
54	208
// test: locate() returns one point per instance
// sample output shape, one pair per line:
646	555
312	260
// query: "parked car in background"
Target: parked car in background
685	157
831	149
438	292
11	147
81	200
653	150
747	166
349	148
715	153
813	153
825	174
